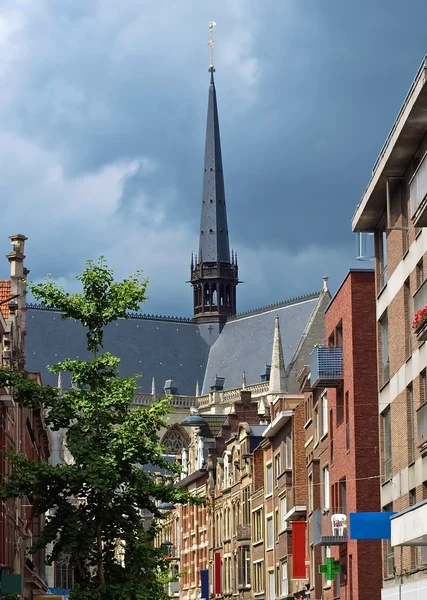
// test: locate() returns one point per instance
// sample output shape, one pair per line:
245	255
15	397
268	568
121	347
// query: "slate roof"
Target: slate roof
245	343
174	349
162	349
4	295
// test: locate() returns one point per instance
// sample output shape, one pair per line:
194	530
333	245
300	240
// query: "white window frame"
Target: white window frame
271	585
284	581
283	512
324	414
269	479
269	534
325	485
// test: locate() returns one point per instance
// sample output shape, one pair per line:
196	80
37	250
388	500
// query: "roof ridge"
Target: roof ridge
280	304
141	316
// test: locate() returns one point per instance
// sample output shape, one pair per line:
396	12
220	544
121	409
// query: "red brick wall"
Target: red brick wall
354	305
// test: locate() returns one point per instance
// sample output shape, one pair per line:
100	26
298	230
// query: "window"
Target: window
343	496
347	425
409	317
269	479
411	423
283	511
420	273
338	335
388	560
174	441
340	404
271	586
258	576
288	452
246	505
386	426
64	572
423	396
245	567
269	532
325	484
284	584
257	528
277	466
383	258
227	573
324	414
310	493
384	348
316	423
227	475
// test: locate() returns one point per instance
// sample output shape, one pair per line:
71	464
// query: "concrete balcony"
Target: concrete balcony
409	527
420	301
326	367
329	527
296	511
418	194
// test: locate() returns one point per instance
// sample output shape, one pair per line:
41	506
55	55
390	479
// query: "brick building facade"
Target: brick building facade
22	430
342	442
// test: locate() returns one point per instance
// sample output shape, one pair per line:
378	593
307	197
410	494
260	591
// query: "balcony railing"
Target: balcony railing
420	300
418	194
326	367
329	527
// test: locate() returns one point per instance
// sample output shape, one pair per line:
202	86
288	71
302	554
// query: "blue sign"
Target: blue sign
204	583
370	525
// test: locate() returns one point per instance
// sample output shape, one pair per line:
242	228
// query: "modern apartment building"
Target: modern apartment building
342	455
393	210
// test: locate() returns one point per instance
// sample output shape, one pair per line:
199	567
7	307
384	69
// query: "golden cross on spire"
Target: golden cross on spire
211	43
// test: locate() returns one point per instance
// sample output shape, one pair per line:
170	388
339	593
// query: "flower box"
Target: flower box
421	332
419	323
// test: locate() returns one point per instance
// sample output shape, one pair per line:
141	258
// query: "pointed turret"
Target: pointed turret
214	276
214	243
278	383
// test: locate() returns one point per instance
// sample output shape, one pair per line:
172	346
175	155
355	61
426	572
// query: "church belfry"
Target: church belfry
214	273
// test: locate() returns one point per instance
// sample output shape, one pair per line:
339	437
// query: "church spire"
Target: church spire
214	277
277	383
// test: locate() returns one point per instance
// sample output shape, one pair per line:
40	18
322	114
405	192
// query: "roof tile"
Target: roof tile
4	295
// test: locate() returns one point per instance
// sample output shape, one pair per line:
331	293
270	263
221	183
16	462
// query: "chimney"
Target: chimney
18	274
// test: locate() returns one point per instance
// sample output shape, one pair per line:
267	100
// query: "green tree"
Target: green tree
95	504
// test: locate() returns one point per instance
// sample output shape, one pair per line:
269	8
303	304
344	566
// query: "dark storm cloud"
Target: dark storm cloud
103	116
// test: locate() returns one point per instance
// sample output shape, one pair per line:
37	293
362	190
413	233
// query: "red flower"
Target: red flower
420	318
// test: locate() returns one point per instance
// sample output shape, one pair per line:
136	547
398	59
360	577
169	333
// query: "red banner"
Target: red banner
299	569
217	570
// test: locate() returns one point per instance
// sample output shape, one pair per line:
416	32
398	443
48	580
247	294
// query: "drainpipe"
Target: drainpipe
387	187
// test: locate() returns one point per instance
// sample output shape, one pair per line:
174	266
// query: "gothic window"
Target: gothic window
64	577
174	441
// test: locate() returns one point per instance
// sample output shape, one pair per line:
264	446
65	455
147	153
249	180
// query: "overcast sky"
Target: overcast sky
103	108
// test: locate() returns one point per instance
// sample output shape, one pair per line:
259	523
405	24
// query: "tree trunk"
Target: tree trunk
101	574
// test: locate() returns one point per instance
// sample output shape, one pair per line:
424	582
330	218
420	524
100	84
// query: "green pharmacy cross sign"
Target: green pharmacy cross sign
331	569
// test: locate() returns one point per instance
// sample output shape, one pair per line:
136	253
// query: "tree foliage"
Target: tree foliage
94	505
